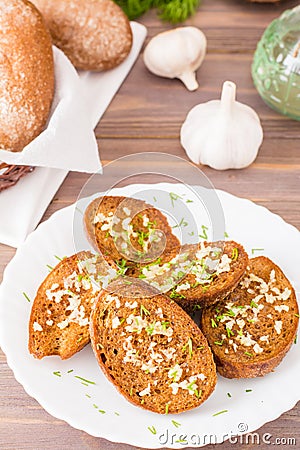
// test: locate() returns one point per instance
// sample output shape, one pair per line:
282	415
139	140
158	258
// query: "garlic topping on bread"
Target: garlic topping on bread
60	315
200	275
254	327
150	349
124	228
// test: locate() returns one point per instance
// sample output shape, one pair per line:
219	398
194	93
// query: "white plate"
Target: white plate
67	397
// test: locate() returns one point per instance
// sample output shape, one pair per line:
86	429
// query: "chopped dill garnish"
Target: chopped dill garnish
229	332
174	197
182	223
122	266
196	307
57	373
152	430
229	395
204	232
213	323
175	294
26	296
198	393
189	346
144	310
84	380
220	412
176	424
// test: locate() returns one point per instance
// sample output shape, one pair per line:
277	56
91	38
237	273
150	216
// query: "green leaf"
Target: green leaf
173	11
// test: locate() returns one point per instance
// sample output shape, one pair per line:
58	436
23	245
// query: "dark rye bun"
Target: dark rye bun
252	330
150	349
129	229
59	320
26	74
201	275
94	34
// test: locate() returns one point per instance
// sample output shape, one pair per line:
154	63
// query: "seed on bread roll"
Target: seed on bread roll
26	74
94	34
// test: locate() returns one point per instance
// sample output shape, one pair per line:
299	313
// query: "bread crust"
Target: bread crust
131	378
276	323
94	34
26	74
59	319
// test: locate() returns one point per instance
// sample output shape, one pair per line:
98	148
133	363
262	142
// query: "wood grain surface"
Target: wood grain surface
145	116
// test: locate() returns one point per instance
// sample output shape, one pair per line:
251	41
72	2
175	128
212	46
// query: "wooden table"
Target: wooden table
146	115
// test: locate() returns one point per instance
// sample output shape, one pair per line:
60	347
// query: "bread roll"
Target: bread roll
94	34
26	74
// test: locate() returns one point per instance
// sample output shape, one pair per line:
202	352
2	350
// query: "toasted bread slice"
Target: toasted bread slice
128	229
59	320
200	275
252	330
150	349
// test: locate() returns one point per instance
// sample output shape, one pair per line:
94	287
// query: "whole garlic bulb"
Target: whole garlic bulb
223	134
177	53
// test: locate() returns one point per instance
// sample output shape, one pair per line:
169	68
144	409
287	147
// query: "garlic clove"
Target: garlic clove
189	80
223	134
177	53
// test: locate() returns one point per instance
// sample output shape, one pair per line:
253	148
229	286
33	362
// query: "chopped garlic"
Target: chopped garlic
278	326
257	348
281	308
115	322
37	327
145	391
175	373
183	287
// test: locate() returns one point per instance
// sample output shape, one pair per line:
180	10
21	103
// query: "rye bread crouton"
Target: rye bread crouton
251	331
127	229
150	349
59	320
200	275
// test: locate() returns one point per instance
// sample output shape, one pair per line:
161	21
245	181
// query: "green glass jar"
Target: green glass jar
276	64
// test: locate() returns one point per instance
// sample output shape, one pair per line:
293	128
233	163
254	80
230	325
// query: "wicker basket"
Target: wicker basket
11	174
